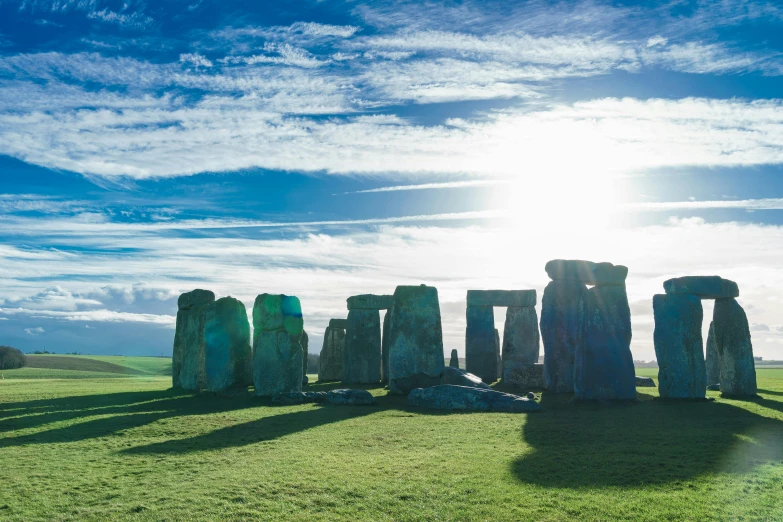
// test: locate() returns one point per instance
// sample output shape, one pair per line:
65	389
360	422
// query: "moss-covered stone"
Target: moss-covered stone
227	345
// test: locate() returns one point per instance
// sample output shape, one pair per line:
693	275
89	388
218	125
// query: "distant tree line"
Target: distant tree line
11	358
312	362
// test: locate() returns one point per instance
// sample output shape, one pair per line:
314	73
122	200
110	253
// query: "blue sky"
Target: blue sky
326	149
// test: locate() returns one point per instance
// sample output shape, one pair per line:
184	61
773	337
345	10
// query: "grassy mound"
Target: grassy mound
89	366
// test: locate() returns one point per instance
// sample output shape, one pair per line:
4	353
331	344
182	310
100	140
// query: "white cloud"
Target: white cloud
316	29
195	59
656	40
34	331
135	20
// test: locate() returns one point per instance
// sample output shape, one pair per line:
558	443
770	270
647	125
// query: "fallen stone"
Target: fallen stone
338	323
370	302
703	287
362	353
459	377
277	363
644	382
519	298
304	340
415	339
586	272
713	361
278	311
480	352
228	359
523	375
679	347
735	350
330	362
350	397
299	398
454	361
603	364
521	344
713	387
463	398
188	369
560	332
385	340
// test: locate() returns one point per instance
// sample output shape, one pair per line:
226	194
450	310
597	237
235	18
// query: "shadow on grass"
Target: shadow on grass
642	443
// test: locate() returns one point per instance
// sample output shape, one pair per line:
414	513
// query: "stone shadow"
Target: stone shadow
641	443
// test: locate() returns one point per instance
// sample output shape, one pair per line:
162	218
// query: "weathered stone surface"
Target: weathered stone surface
501	298
586	272
679	347
713	361
531	396
465	398
362	354
459	377
385	339
278	311
560	332
330	362
735	350
197	297
521	344
304	340
227	352
188	355
454	361
277	363
299	398
713	387
370	302
338	323
480	353
415	339
603	365
704	287
523	375
644	382
350	397
498	357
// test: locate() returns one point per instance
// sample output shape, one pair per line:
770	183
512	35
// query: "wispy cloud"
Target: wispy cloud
431	186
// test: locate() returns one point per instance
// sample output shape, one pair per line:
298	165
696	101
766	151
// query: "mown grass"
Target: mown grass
108	449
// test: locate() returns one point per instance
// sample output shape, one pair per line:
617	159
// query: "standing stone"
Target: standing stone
678	346
454	361
480	353
415	339
560	307
385	349
735	350
498	358
362	354
521	344
713	361
277	352
586	272
330	362
305	342
188	357
228	359
603	364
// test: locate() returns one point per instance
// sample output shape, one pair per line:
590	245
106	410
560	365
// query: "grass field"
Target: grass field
129	448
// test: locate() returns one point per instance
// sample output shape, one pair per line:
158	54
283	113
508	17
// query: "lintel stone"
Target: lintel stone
338	323
586	272
520	298
703	287
370	302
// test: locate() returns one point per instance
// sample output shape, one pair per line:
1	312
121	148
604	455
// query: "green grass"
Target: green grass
130	448
89	367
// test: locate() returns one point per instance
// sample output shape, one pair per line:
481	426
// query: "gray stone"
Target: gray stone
560	332
299	398
459	377
464	398
501	298
644	382
586	272
735	350
196	297
278	311
679	347
304	340
188	356
350	397
370	302
531	396
385	338
713	361
704	287
338	323
713	387
523	375
454	361
330	362
415	339
498	358
228	359
277	363
521	344
480	353
362	354
603	364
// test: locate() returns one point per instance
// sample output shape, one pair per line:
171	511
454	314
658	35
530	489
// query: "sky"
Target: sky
325	149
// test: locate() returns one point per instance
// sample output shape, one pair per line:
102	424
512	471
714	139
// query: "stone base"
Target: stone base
523	375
